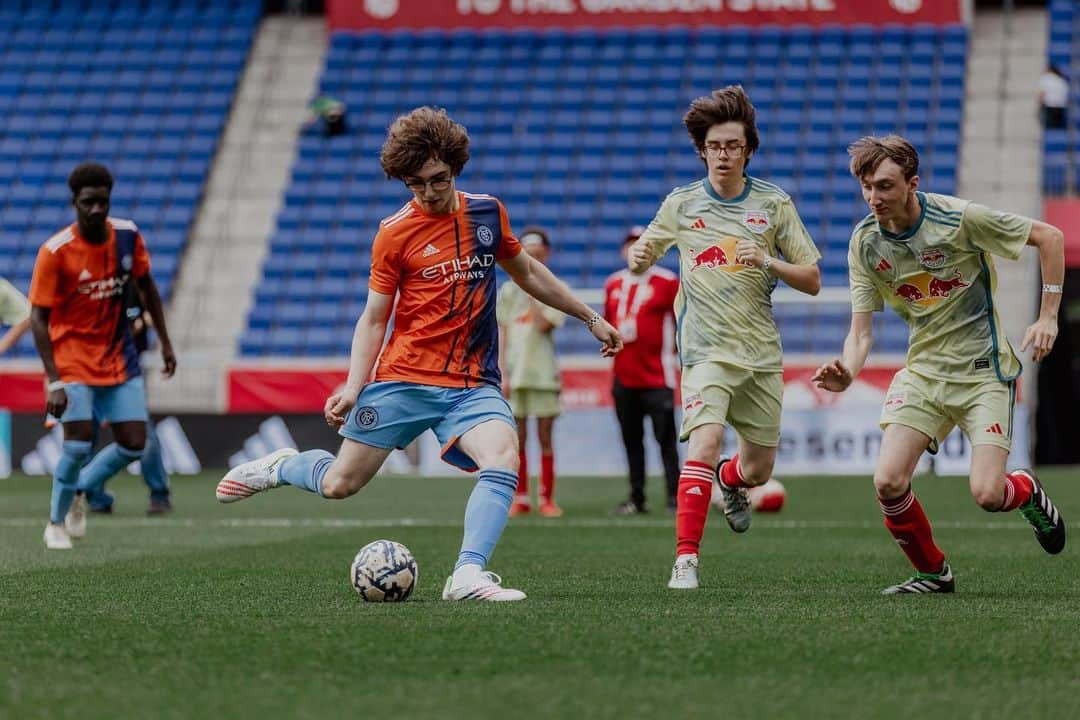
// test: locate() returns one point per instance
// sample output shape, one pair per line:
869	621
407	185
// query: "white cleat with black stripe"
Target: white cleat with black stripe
921	583
253	477
485	586
1044	517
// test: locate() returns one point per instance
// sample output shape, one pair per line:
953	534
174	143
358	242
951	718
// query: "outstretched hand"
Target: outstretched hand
1040	336
833	376
610	340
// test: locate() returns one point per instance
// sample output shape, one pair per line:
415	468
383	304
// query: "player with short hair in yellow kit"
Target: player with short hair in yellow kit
928	257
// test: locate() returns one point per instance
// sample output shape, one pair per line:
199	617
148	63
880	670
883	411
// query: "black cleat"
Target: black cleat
921	583
1044	517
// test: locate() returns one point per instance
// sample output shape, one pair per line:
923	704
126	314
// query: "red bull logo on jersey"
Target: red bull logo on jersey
756	221
720	256
926	290
932	258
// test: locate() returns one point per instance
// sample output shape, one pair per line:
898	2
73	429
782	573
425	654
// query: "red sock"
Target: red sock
731	473
695	489
547	477
905	519
1018	490
523	477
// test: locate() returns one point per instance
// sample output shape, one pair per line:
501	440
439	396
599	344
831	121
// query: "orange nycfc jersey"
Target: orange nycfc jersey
85	286
443	267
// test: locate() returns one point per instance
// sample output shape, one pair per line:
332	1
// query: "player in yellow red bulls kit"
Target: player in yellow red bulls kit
928	257
731	230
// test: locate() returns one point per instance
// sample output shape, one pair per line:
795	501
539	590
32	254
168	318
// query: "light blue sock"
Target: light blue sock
110	460
485	515
153	466
306	470
66	477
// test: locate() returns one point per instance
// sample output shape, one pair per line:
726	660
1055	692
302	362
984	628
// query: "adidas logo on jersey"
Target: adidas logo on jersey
698	224
995	429
85	275
430	250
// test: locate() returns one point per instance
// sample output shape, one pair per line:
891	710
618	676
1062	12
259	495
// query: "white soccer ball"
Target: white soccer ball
384	571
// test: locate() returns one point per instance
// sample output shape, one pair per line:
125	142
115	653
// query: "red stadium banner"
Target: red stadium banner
447	14
269	389
22	390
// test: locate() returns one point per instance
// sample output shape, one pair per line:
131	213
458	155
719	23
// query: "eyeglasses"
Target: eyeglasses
437	184
732	150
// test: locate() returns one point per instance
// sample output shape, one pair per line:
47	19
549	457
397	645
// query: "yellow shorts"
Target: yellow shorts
982	410
749	401
527	402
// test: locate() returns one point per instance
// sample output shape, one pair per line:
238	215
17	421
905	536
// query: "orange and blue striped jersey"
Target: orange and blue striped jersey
443	269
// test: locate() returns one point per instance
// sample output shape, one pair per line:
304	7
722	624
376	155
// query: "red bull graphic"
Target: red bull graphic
933	258
942	288
926	290
720	256
693	404
756	220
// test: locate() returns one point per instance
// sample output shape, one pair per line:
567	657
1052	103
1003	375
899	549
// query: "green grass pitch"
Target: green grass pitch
245	611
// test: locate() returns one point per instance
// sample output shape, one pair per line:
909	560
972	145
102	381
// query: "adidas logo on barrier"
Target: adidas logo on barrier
176	451
273	435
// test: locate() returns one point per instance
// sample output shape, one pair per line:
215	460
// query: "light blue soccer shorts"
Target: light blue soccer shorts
393	414
125	402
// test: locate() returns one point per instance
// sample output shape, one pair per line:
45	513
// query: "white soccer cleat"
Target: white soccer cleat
249	478
684	573
56	537
487	586
75	520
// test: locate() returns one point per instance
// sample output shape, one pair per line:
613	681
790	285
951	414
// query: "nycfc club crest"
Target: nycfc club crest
932	258
126	262
484	236
756	221
367	417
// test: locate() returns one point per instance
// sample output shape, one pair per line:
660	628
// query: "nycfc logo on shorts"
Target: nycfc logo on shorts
125	262
484	236
367	417
756	221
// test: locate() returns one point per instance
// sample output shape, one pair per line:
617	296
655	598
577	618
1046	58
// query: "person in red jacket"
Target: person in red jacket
641	307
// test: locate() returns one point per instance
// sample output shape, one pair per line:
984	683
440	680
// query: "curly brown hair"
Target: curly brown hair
867	153
419	136
728	104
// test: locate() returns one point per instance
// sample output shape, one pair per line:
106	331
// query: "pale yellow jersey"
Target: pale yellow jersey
14	307
724	309
939	277
529	352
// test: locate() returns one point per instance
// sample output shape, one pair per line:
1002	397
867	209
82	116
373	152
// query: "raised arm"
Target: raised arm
837	375
534	278
1050	242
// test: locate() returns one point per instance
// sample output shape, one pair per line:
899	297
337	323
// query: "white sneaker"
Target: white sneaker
75	520
684	573
56	537
487	586
249	478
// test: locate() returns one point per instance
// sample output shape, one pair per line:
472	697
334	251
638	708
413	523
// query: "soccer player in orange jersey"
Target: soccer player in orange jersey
78	295
439	370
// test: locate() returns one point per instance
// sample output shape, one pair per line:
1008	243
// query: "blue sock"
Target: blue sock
306	470
485	515
66	477
110	460
153	466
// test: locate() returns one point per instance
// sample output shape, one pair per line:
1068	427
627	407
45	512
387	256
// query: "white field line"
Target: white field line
605	523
